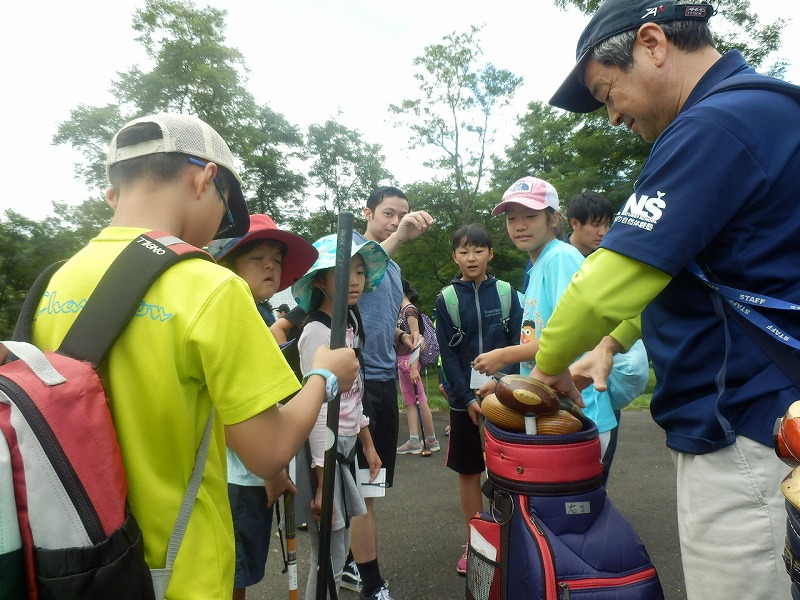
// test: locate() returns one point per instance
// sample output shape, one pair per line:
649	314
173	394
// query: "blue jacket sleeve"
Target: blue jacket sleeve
628	376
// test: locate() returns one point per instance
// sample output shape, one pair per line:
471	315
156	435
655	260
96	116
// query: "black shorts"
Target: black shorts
380	405
252	526
464	448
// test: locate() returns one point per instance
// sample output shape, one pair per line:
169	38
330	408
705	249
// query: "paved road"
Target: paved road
421	531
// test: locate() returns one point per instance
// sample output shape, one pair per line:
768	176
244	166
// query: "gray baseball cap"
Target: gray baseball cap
613	17
187	134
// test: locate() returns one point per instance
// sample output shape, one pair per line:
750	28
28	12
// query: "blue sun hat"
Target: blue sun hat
375	261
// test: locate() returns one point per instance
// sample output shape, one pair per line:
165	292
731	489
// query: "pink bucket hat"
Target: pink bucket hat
300	254
530	192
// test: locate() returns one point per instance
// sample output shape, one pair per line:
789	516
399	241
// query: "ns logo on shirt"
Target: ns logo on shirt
643	212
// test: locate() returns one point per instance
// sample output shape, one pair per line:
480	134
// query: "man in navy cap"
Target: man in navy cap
716	199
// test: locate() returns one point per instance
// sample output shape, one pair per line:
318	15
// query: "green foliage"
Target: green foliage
194	72
344	172
89	129
574	152
453	116
430	381
268	143
26	248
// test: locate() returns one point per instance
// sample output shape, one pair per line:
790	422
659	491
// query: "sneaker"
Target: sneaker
351	578
433	446
461	565
410	447
381	593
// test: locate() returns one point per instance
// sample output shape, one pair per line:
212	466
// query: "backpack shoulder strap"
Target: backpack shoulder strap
504	293
451	302
24	326
118	294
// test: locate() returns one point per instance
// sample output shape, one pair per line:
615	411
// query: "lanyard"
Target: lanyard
741	301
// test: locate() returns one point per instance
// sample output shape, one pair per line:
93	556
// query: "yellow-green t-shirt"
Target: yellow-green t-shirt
196	339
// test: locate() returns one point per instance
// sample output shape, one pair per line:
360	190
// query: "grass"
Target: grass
436	401
430	380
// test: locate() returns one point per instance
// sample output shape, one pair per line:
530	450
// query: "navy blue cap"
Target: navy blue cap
613	17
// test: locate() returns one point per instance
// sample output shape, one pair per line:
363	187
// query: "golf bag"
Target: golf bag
551	533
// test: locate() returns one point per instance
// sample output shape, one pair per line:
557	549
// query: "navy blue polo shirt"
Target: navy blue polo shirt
720	187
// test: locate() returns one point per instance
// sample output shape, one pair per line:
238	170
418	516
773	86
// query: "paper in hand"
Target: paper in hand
372	489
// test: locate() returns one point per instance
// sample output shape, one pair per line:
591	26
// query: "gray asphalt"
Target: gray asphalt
421	532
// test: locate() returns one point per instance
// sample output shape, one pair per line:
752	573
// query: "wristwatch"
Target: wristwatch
331	382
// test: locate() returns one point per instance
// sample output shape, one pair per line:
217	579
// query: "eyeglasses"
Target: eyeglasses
223	227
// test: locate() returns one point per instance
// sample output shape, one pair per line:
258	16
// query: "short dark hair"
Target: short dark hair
589	206
409	292
687	36
161	166
471	235
247	247
379	195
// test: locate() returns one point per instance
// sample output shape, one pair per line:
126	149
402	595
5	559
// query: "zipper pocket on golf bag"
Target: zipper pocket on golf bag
587	587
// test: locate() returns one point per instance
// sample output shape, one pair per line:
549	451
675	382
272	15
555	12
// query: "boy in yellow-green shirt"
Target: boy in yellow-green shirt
182	353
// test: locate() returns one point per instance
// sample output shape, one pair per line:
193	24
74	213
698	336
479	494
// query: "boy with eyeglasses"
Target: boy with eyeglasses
174	174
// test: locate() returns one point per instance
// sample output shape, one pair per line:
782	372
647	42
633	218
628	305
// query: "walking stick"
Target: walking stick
344	243
290	528
426	453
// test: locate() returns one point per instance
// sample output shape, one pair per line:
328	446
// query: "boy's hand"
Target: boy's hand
277	485
489	363
475	411
487	388
342	362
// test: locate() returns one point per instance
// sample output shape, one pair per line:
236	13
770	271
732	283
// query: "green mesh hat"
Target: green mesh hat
375	260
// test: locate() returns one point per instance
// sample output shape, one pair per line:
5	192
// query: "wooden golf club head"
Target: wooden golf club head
527	395
557	423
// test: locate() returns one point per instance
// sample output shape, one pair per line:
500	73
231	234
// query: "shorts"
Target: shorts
464	448
380	405
252	526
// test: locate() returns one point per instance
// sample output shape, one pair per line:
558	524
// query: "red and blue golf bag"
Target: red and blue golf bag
551	532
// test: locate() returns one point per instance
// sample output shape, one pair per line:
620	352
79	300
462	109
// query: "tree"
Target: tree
26	248
193	72
269	144
574	152
454	114
344	172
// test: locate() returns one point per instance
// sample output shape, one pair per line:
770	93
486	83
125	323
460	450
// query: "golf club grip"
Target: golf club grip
344	244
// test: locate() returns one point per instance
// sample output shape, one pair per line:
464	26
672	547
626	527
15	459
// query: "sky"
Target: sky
309	60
